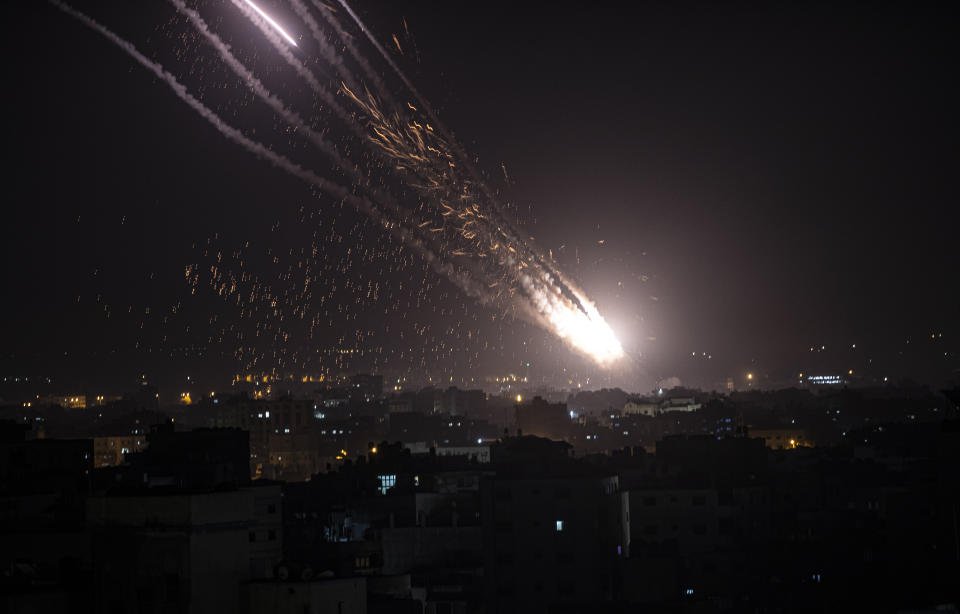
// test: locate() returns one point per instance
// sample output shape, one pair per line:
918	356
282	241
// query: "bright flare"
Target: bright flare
275	25
586	330
580	325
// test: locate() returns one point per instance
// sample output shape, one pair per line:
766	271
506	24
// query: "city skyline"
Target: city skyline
407	307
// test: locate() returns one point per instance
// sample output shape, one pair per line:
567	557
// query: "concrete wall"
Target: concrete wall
406	549
345	596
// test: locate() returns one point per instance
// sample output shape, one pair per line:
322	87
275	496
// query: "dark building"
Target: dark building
284	434
543	419
56	470
457	402
202	458
182	551
44	544
702	519
366	387
554	529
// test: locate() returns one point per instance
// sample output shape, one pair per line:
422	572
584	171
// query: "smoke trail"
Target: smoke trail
396	69
325	48
504	221
549	299
275	103
284	50
464	158
326	12
420	99
552	303
205	112
331	188
292	117
257	86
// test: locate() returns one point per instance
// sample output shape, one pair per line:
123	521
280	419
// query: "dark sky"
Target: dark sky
764	178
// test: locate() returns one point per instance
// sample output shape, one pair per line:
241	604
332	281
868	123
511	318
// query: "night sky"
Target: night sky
763	185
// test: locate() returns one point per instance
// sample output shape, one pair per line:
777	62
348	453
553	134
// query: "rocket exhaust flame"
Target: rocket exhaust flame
513	266
458	226
275	25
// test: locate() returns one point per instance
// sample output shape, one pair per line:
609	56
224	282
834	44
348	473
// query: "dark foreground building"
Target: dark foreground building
554	530
438	522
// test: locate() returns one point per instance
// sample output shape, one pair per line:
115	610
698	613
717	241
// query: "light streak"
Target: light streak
551	300
260	150
459	227
298	66
275	25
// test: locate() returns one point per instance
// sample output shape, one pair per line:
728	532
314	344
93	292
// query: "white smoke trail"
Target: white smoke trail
205	112
284	50
464	158
423	102
292	117
326	13
548	299
504	222
275	103
329	53
396	69
560	308
330	188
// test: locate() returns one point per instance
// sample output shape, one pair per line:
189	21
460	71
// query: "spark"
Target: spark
458	228
553	302
275	25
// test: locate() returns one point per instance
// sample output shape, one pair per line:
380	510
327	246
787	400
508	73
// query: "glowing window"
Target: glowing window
387	482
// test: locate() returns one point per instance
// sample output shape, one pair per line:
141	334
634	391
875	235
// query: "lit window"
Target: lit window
559	525
387	482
